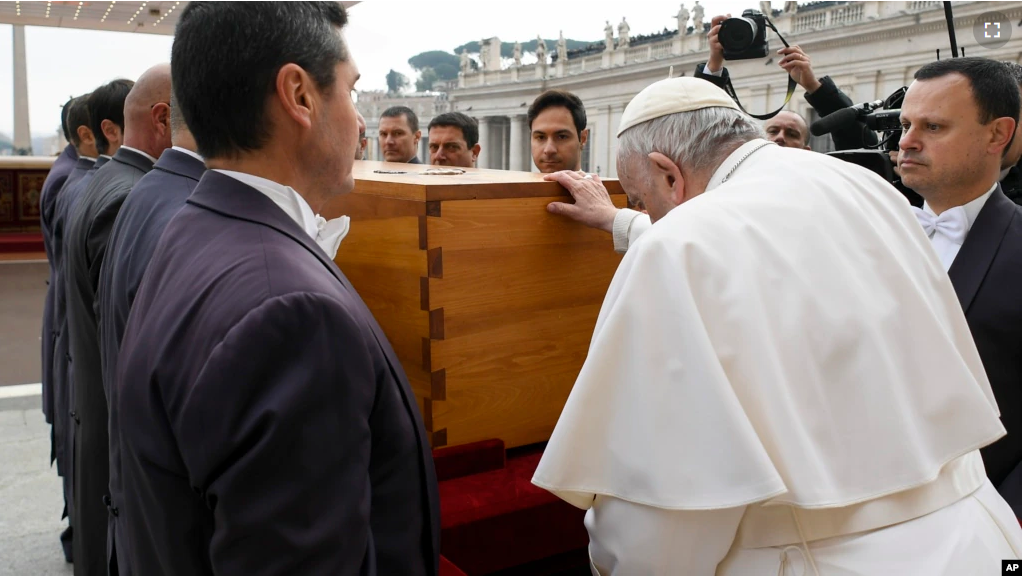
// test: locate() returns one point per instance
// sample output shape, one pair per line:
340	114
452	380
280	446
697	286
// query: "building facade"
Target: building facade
870	49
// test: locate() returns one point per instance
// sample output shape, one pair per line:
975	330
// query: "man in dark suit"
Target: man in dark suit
59	173
399	134
146	134
145	213
83	140
266	426
958	118
90	159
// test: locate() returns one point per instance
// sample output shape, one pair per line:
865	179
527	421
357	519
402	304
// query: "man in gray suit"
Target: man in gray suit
146	135
152	203
106	104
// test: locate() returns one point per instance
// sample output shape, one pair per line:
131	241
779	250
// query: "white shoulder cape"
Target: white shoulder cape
789	335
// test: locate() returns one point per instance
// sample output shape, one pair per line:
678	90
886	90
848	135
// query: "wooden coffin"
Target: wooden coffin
488	300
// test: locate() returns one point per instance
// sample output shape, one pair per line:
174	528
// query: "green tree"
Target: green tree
427	76
396	81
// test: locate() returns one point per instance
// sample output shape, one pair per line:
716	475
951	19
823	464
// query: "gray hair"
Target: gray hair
696	141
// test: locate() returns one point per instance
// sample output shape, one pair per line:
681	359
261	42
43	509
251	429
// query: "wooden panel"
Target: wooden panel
483	287
382	259
515	222
412	184
512	381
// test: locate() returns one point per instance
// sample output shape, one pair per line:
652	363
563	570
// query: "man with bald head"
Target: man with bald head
788	129
146	135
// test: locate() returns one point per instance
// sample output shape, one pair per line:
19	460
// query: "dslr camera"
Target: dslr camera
745	37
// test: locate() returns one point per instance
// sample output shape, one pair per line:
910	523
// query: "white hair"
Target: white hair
697	141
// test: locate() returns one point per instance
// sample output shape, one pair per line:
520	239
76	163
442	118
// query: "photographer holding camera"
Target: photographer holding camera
822	93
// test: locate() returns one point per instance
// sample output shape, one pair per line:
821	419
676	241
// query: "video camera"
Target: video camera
879	116
745	37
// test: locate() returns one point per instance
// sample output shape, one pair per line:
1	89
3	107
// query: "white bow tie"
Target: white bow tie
330	233
951	223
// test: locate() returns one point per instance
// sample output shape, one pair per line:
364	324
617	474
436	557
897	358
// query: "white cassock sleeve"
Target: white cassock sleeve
628	226
636	540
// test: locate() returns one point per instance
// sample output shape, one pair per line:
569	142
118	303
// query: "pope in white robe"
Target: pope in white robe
781	379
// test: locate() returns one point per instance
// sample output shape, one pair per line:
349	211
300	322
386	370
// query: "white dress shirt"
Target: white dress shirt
326	234
190	153
137	151
946	247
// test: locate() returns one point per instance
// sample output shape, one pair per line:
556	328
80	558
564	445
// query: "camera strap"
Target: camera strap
788	94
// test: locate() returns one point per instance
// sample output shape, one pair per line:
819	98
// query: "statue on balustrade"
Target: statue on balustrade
517	54
485	54
562	47
463	61
609	36
698	18
623	33
541	51
683	19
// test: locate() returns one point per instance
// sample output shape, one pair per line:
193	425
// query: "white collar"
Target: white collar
190	153
107	156
89	158
733	161
326	234
972	208
137	151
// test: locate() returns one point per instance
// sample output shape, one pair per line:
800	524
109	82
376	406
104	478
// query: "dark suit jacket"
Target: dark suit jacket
414	160
67	199
85	245
986	274
145	213
55	180
827	99
1011	183
266	426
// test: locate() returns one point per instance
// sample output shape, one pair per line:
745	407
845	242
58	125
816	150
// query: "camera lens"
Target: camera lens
737	34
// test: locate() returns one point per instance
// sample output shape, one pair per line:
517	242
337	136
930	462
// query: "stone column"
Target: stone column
517	143
485	152
22	133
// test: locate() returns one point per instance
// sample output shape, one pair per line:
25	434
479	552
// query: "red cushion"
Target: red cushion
466	459
498	519
449	569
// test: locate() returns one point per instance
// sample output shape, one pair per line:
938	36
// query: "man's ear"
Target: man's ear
1002	133
419	134
294	94
160	115
85	135
584	136
475	152
666	173
111	131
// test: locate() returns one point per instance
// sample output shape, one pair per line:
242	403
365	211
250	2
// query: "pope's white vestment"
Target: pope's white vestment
781	378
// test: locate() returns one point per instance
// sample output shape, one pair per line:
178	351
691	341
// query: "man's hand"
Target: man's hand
716	61
593	206
797	64
894	157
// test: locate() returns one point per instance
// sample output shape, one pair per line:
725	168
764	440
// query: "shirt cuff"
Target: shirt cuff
709	72
620	229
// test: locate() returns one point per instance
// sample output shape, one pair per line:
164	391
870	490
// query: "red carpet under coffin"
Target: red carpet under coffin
493	519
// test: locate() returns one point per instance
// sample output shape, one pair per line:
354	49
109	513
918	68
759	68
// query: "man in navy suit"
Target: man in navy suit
959	118
265	424
59	173
146	132
145	213
92	147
